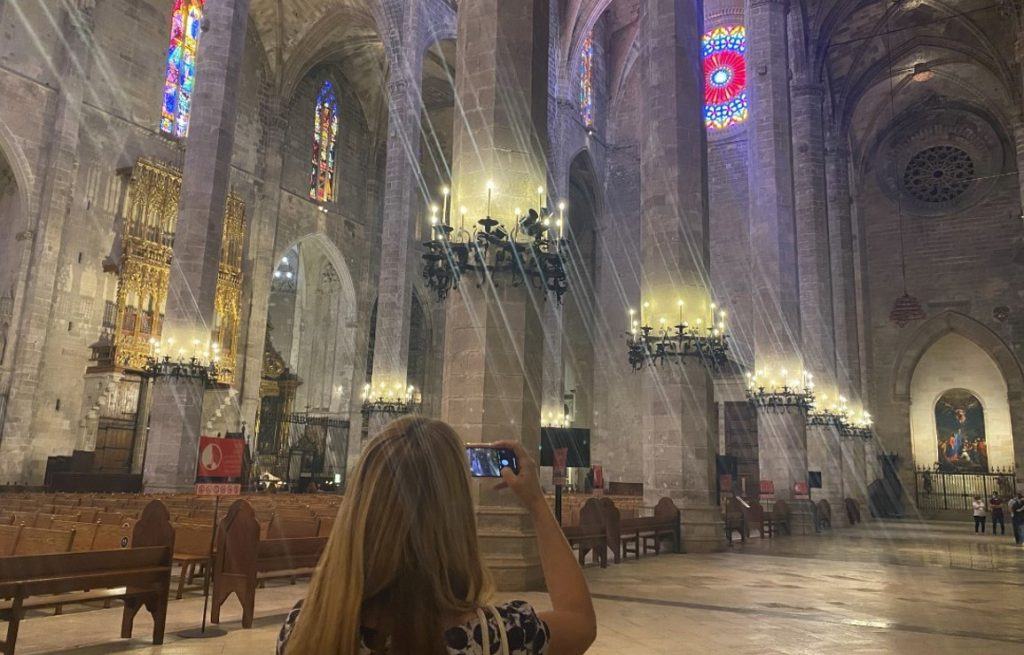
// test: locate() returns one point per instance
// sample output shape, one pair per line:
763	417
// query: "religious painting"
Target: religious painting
960	426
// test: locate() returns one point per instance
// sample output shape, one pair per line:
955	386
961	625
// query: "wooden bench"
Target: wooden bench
853	511
737	519
649	531
191	552
589	535
824	514
612	527
140	576
242	560
760	519
779	517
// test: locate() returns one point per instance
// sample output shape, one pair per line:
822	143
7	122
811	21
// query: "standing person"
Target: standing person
979	514
1017	518
995	504
402	572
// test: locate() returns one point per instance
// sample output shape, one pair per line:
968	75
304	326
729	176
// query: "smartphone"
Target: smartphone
487	461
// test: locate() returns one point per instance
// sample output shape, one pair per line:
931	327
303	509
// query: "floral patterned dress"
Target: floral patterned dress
527	633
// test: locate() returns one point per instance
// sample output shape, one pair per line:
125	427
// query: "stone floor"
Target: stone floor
888	587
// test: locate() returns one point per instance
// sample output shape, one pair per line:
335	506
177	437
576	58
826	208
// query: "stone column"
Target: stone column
824	454
19	459
855	472
176	415
782	436
403	204
261	260
494	347
844	288
679	429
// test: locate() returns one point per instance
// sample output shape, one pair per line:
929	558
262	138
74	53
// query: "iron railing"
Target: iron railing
937	490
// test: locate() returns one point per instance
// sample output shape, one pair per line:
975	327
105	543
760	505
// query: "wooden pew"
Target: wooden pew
590	534
191	551
41	541
292	527
612	527
242	560
758	518
650	530
780	517
8	539
736	519
824	513
140	576
853	511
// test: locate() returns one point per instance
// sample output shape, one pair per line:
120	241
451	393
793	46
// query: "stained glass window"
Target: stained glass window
181	67
725	77
325	137
586	72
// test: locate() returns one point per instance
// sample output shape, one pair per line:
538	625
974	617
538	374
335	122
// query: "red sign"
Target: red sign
725	483
220	458
767	488
801	490
598	476
559	473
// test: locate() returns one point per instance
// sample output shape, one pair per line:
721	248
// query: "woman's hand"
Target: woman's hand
525	485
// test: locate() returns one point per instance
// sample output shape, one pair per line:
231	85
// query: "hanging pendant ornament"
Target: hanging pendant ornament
906	310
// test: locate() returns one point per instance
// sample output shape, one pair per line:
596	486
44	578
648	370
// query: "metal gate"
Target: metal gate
318	447
955	491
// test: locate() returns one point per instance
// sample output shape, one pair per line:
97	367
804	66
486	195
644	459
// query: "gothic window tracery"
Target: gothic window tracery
586	73
725	77
180	81
938	174
325	137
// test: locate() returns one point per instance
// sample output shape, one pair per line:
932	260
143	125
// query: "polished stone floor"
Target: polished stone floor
887	587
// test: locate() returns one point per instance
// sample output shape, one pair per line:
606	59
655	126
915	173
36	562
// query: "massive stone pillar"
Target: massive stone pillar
22	453
402	200
494	347
176	415
855	472
679	429
782	436
261	259
814	263
844	287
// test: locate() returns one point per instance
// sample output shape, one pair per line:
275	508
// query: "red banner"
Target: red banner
220	458
801	490
767	488
598	476
725	483
559	471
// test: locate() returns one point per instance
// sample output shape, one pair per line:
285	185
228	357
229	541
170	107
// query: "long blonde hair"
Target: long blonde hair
404	545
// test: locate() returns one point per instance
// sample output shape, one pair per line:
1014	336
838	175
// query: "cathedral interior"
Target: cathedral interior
723	252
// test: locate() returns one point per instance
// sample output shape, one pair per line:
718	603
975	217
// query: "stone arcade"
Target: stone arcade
791	234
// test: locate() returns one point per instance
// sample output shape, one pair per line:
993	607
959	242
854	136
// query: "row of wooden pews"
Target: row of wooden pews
603	529
43	572
66	532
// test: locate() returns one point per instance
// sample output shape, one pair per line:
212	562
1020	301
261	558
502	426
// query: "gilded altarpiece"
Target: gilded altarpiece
147	246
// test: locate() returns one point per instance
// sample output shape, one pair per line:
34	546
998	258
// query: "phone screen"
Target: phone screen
487	461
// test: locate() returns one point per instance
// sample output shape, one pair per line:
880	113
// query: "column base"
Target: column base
172	448
509	548
703	529
801	518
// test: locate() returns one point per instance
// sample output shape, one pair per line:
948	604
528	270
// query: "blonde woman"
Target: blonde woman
402	572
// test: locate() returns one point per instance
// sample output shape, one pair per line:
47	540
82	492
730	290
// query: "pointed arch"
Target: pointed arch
971	329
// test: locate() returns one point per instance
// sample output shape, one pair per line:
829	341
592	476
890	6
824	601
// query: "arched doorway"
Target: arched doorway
309	364
961	388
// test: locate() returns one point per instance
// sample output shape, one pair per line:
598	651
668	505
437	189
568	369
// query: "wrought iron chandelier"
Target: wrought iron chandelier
782	391
530	252
837	414
391	400
202	364
706	342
